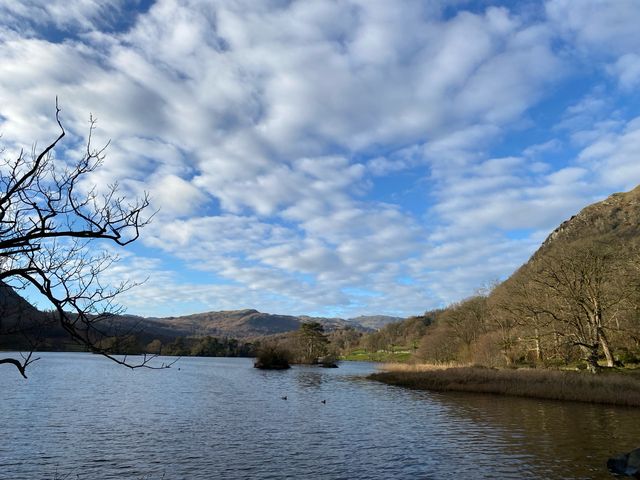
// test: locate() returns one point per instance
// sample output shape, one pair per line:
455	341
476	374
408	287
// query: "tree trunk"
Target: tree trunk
602	338
539	356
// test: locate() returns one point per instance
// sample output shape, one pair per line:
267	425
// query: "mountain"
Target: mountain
13	305
614	222
575	302
374	322
244	324
18	317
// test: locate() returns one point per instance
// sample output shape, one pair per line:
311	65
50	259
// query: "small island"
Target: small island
272	358
307	346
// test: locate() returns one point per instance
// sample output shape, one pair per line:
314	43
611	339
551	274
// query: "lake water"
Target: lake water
79	416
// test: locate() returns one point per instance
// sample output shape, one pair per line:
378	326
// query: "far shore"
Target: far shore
607	388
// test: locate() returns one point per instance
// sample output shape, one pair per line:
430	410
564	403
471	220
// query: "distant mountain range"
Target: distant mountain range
374	322
248	324
245	325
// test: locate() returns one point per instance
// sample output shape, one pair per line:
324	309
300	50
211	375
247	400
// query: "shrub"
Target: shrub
626	355
487	351
438	345
271	357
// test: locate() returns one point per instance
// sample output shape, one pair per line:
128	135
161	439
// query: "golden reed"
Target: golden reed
610	388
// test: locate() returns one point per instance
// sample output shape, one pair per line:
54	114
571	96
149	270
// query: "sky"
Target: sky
331	157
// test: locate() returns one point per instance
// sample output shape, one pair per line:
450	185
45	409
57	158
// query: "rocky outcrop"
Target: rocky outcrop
328	361
271	366
626	464
615	217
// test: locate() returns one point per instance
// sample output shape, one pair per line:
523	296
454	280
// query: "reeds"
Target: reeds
613	389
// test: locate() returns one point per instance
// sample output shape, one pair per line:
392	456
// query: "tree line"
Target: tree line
577	303
180	346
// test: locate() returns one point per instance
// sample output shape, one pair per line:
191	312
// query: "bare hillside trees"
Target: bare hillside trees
584	290
577	300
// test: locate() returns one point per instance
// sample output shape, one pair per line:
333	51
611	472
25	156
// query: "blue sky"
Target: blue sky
332	157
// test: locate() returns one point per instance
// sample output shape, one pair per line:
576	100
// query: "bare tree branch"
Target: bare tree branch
49	227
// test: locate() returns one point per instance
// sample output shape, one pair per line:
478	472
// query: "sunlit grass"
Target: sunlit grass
400	354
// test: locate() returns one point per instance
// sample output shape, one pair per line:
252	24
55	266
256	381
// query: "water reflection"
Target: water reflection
561	439
221	418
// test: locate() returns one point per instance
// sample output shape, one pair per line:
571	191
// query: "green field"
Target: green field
398	354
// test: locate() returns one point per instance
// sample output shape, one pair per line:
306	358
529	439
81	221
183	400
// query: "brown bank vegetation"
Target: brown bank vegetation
613	389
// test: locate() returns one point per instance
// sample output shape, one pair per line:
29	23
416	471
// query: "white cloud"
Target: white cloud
627	70
264	130
614	157
175	197
79	14
602	28
609	26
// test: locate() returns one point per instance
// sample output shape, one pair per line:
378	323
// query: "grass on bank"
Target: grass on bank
399	354
609	388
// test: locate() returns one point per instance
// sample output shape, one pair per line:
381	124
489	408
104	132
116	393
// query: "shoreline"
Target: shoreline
608	388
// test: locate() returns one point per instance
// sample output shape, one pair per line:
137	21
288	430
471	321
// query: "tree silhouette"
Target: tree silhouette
313	341
50	229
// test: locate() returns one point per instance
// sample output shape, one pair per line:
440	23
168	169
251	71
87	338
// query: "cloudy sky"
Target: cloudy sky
332	157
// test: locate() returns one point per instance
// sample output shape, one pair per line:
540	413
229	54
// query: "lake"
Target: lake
79	416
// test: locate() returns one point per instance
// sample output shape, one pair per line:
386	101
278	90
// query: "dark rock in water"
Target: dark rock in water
617	464
327	362
626	464
329	365
271	366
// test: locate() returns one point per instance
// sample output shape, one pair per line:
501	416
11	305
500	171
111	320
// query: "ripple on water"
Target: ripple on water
82	416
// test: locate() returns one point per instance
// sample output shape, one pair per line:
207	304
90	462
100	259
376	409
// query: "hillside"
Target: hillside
243	324
13	305
17	317
574	302
616	218
614	222
374	322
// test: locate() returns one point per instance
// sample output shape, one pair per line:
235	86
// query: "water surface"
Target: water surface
81	416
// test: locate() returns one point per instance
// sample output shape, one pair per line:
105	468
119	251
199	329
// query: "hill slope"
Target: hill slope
244	324
240	324
375	321
616	218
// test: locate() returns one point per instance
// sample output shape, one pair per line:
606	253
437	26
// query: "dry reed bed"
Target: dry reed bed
611	388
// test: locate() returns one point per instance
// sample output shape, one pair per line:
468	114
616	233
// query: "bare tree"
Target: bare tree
50	231
467	320
519	311
584	288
